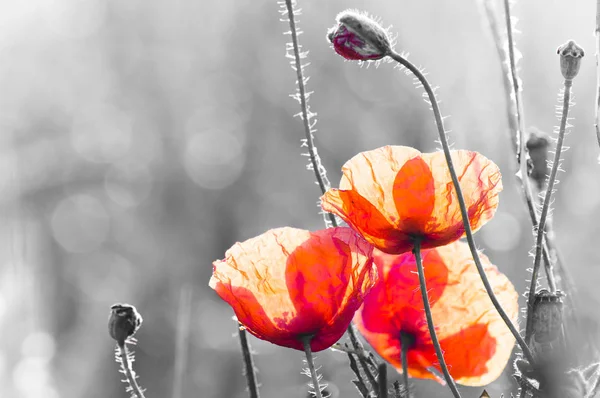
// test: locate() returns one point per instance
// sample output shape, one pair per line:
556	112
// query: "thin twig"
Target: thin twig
248	364
546	206
430	325
311	366
127	369
461	201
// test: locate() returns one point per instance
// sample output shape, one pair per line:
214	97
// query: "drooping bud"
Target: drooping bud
123	322
359	37
570	59
537	147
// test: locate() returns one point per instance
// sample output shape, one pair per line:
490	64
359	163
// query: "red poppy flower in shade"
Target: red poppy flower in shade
289	283
394	194
474	338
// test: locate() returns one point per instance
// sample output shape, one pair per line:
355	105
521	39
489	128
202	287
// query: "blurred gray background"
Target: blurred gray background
140	139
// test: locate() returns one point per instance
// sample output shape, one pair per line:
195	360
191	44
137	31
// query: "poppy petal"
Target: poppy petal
288	283
365	199
480	181
476	343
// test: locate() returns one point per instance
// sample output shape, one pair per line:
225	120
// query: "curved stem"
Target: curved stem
248	364
404	343
127	368
461	201
311	366
316	165
427	307
546	206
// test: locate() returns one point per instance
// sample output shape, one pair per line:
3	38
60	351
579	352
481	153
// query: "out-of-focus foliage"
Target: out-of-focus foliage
140	139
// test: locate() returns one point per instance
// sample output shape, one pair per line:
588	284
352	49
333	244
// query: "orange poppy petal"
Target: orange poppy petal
414	196
393	194
476	342
287	283
480	181
366	219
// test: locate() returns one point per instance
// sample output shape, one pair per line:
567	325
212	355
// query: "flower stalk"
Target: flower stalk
311	366
463	209
249	368
405	342
570	55
430	325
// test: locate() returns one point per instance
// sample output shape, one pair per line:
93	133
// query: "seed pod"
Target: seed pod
570	59
547	326
123	322
359	37
537	147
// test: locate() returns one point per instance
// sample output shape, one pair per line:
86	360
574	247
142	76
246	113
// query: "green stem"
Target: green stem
463	208
546	206
311	366
430	326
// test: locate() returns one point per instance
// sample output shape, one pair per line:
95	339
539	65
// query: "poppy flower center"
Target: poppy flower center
407	340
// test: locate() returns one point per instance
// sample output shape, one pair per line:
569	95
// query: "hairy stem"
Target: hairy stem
311	366
308	132
128	370
461	201
316	163
520	125
430	326
546	206
248	364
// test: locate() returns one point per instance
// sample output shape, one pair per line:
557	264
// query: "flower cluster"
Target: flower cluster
289	284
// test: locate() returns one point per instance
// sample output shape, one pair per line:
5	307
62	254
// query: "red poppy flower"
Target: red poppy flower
395	194
288	283
475	340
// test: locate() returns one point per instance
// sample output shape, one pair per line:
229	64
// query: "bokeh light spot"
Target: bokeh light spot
502	233
128	184
80	223
214	159
38	344
102	133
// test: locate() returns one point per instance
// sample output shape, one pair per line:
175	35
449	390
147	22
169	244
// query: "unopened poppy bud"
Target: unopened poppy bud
123	322
359	37
570	59
537	146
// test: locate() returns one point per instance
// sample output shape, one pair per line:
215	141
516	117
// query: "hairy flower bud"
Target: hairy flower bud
359	37
537	146
123	322
570	59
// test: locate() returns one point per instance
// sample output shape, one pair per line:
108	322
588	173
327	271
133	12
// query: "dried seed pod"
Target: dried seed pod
570	59
123	322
